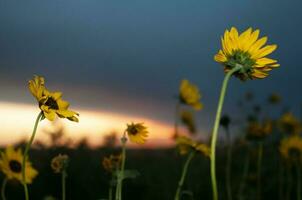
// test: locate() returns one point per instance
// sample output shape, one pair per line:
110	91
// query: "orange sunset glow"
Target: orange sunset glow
17	123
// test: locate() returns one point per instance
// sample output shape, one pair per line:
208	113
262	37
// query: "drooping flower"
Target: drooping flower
257	130
189	94
137	132
187	119
112	162
186	145
289	124
59	163
11	165
247	51
50	103
291	148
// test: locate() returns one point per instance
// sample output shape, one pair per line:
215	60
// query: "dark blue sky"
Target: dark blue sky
129	56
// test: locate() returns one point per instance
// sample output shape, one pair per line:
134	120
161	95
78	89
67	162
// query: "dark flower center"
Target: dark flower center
51	103
15	166
133	130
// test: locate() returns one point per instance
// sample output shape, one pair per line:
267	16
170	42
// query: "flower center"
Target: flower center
51	103
244	59
133	130
15	166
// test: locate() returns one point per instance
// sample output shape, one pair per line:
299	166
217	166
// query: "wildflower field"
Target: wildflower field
94	118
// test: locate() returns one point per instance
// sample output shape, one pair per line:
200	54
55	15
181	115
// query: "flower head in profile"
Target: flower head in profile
248	51
50	103
187	119
274	98
59	163
289	124
137	132
257	130
11	165
189	94
186	145
291	148
112	162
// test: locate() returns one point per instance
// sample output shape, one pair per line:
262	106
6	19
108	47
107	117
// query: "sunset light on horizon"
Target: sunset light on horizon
93	126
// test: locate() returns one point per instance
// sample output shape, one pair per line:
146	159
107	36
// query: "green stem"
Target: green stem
215	129
25	155
183	175
228	165
298	182
110	192
244	176
121	174
3	188
64	175
259	166
289	183
281	179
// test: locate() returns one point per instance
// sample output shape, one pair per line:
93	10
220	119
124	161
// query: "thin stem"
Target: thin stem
110	192
64	175
259	166
244	176
3	188
121	174
289	183
281	178
25	155
215	129
183	175
298	170
228	165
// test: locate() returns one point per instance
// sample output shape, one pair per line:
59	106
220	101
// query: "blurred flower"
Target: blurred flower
112	162
59	163
289	124
291	148
274	99
186	144
249	96
247	51
225	121
50	103
189	94
49	198
187	119
256	130
11	165
137	133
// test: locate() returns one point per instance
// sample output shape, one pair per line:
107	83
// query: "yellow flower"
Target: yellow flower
187	119
11	165
59	163
247	51
186	144
137	133
256	130
291	148
50	103
289	124
112	162
189	94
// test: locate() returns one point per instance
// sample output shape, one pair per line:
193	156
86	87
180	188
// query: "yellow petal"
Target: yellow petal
264	51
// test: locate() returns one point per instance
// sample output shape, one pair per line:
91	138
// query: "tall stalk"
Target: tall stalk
25	155
216	127
183	175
